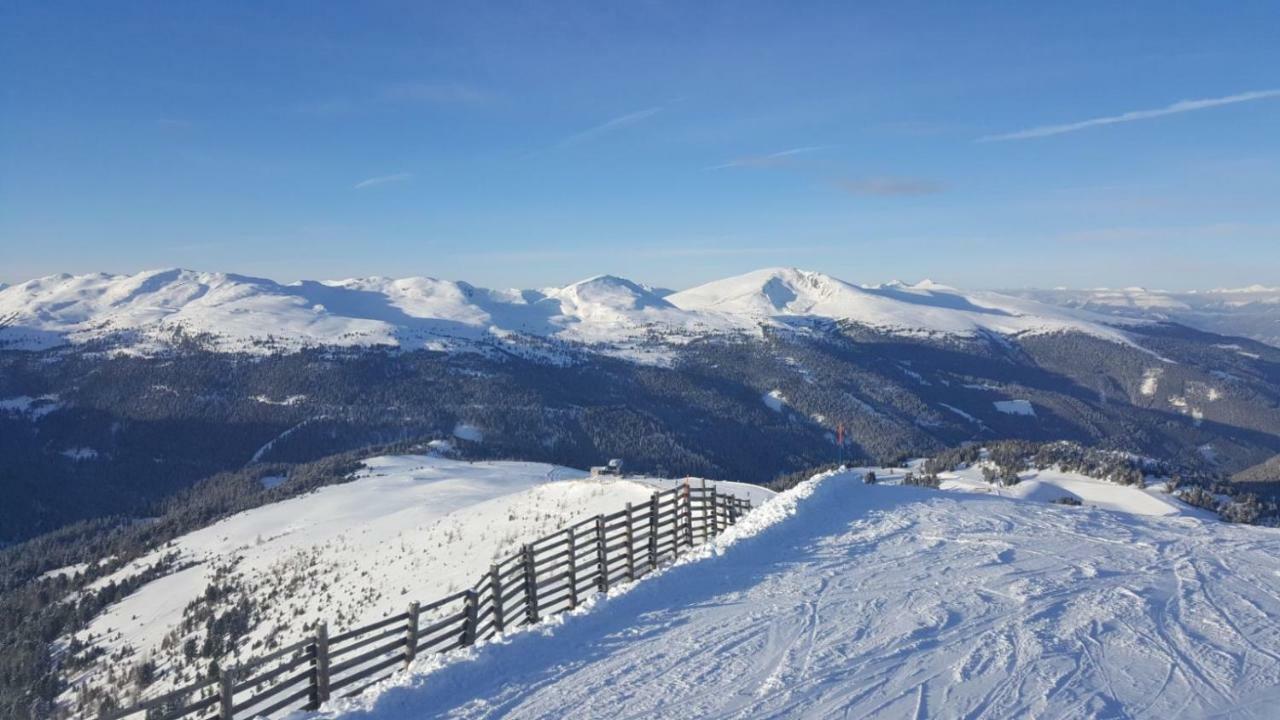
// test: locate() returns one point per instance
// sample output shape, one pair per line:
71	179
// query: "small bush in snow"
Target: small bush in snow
1246	509
1198	497
928	480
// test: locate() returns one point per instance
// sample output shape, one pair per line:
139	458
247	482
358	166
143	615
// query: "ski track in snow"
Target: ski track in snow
882	601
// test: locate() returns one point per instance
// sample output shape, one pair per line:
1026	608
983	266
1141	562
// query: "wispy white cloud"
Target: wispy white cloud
382	180
1181	106
889	186
790	161
781	157
609	126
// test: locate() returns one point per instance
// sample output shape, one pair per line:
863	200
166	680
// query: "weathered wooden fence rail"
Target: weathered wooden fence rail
547	576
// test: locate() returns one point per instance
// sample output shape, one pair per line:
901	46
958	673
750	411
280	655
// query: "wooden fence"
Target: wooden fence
547	576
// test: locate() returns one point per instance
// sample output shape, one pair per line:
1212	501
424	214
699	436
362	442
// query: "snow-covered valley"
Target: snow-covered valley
850	600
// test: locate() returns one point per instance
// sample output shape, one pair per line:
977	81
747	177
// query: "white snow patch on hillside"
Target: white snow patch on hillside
270	444
79	454
878	601
467	431
1015	407
33	407
1150	381
775	400
290	400
964	415
1186	408
67	571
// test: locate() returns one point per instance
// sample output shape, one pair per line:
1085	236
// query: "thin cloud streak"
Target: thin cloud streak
1181	106
609	126
772	159
889	186
382	180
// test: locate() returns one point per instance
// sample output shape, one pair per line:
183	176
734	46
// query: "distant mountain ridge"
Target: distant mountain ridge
236	313
1252	312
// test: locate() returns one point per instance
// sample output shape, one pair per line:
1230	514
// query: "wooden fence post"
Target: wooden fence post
688	515
495	587
631	547
226	694
675	525
573	567
653	531
715	512
706	516
320	674
602	565
530	585
411	635
469	623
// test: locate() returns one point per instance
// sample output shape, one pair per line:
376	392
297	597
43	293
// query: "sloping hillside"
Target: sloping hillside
892	602
408	527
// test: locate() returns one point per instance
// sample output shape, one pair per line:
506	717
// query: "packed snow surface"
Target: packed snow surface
881	601
1052	484
151	310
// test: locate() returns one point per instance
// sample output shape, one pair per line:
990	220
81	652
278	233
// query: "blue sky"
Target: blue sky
529	144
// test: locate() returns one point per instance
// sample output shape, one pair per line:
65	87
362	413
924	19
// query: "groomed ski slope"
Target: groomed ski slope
901	602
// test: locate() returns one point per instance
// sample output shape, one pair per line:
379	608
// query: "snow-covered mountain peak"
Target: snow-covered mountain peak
782	294
612	292
765	292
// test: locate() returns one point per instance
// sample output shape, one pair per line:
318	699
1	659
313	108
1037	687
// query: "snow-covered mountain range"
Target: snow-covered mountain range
150	310
1252	312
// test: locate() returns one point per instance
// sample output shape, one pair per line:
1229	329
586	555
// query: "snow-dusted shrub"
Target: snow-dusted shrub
928	480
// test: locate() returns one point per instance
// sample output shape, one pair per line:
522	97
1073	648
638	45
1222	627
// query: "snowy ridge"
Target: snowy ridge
351	554
877	601
155	309
1252	312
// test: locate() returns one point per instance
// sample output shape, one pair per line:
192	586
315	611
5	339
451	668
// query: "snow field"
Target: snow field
887	601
